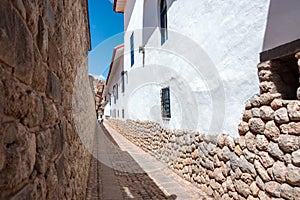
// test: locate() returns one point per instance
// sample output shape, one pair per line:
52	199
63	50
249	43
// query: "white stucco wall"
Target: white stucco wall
231	33
107	110
133	17
209	61
115	78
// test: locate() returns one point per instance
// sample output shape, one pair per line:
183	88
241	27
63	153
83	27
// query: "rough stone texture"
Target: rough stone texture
293	175
266	113
242	188
254	189
255	112
273	188
272	131
279	171
294	110
262	142
296	158
262	163
243	128
266	98
291	128
276	104
43	44
287	192
281	115
274	150
257	125
246	116
289	143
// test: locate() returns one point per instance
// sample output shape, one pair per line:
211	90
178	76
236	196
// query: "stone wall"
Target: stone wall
262	163
43	44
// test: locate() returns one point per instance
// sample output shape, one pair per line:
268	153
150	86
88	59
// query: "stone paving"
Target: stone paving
121	170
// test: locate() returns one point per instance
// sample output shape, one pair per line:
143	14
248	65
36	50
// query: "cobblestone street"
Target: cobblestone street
123	171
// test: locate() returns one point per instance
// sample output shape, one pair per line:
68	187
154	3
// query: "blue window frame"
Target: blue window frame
132	49
165	103
163	21
123	81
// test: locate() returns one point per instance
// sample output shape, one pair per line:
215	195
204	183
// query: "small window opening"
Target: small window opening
165	103
163	21
285	76
132	49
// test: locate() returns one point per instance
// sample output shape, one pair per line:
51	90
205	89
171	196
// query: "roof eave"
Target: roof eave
118	10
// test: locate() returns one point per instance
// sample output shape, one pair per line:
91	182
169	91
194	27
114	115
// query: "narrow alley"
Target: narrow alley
122	170
149	99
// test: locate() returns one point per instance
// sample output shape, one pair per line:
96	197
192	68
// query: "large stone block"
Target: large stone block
265	159
53	89
52	183
279	171
293	175
247	115
281	116
242	188
243	128
257	125
274	150
16	100
247	167
273	188
262	142
266	113
254	189
294	110
39	79
261	171
276	104
35	113
292	128
266	98
48	14
32	14
287	192
296	158
218	175
18	4
44	151
265	75
255	112
39	190
42	38
24	193
20	146
24	52
50	113
289	143
264	66
57	138
272	131
7	36
255	101
260	183
250	141
55	59
266	87
248	155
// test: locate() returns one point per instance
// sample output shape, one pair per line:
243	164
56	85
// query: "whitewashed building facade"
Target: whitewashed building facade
187	64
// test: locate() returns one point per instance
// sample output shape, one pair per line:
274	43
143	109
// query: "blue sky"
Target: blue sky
106	28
